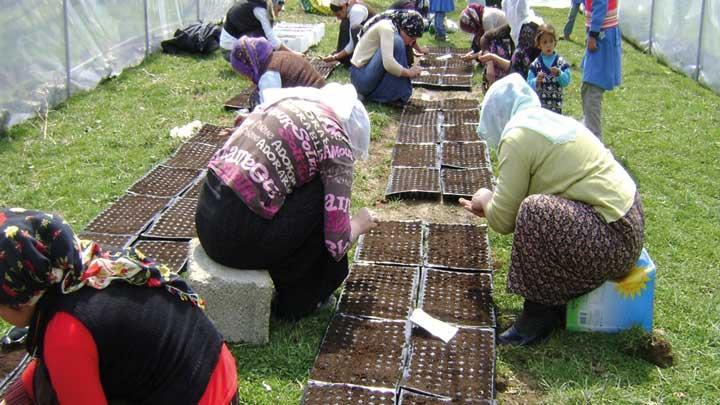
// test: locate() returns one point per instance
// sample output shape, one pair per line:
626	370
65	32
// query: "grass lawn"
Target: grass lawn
662	125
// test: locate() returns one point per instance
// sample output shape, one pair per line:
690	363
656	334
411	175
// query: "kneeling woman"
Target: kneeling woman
379	68
277	195
105	327
575	212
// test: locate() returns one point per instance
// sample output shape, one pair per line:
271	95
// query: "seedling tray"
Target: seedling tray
462	370
463	299
460	104
324	68
421	104
465	182
427	118
361	352
173	254
414	398
415	155
341	394
128	216
194	190
392	242
413	183
211	135
465	154
417	134
460	133
459	117
108	241
12	366
386	292
178	222
192	155
443	50
164	181
242	101
458	246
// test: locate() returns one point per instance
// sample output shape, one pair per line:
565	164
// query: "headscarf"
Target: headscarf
517	13
250	55
471	19
409	21
342	100
511	103
39	251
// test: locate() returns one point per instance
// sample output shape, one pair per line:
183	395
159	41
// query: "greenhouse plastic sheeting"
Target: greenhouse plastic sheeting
710	55
635	21
104	37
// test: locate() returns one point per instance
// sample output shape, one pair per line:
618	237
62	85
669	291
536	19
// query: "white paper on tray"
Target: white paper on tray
438	328
444	57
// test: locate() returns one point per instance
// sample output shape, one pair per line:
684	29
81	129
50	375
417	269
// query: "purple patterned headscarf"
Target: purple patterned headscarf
249	56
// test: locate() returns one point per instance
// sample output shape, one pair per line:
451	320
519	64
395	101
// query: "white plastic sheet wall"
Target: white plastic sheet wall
53	48
683	33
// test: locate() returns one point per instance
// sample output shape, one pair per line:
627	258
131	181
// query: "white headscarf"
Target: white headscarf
492	18
343	100
511	103
517	13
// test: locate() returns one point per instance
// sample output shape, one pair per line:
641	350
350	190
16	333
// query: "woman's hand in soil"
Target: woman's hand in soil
363	221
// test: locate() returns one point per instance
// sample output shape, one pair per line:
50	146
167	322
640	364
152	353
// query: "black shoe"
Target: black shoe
14	339
534	325
513	337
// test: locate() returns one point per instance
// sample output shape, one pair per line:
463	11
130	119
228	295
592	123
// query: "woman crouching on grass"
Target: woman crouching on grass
104	328
575	212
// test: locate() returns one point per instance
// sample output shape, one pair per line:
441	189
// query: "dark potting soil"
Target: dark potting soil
459	117
458	298
338	394
211	135
108	241
414	182
415	155
414	398
194	190
164	181
465	154
459	82
9	361
417	134
192	155
128	215
465	182
392	242
324	68
459	246
460	133
361	352
460	104
418	117
379	291
173	254
177	222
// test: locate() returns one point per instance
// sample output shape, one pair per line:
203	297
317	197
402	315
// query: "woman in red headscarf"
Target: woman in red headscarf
476	20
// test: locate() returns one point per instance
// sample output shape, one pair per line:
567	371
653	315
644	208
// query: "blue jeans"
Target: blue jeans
376	84
440	24
574	8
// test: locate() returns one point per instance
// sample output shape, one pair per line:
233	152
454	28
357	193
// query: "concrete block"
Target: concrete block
237	301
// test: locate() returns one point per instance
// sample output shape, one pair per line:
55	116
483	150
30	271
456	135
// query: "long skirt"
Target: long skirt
563	249
376	84
291	245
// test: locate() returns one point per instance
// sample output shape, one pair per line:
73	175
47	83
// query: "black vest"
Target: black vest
240	19
153	348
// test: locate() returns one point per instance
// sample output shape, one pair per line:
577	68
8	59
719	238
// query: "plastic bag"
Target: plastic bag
321	7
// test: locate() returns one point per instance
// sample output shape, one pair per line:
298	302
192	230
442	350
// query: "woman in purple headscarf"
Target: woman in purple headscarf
256	59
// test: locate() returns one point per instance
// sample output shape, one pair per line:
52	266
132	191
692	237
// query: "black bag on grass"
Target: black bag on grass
203	38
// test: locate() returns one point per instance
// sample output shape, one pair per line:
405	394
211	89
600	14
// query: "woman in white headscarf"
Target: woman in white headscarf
575	214
277	194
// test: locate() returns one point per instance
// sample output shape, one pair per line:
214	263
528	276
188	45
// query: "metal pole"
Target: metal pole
147	28
652	24
700	39
66	32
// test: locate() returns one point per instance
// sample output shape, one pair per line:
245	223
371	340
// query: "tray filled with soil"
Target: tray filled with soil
172	253
427	118
465	155
244	100
212	135
164	181
462	370
458	246
361	352
415	155
128	216
12	365
392	242
324	68
323	394
194	190
192	155
177	222
463	299
386	292
460	117
460	104
411	182
108	241
465	182
457	82
414	398
460	133
443	50
417	134
422	104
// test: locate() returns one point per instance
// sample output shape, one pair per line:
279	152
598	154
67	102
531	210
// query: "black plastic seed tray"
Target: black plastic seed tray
22	359
460	104
443	50
377	291
459	70
420	104
465	154
341	394
417	117
417	134
244	100
128	216
411	182
108	241
392	242
178	222
212	135
461	117
194	190
430	62
460	133
414	398
465	182
458	246
171	253
361	352
415	155
164	181
462	369
457	82
324	68
192	155
428	80
463	299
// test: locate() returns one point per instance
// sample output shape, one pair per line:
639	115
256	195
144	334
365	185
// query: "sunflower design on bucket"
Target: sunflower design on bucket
634	283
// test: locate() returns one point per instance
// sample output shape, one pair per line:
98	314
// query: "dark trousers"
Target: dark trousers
344	36
291	245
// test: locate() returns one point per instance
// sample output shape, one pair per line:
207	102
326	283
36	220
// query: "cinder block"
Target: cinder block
237	301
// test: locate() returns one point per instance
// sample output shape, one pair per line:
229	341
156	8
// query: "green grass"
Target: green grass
661	124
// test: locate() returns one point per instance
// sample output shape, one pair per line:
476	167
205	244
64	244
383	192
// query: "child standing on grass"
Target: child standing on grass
549	72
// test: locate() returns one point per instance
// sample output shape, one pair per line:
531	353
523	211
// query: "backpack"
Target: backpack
203	38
